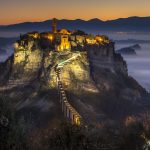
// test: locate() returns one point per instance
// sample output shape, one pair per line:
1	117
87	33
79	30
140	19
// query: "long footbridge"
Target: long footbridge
68	110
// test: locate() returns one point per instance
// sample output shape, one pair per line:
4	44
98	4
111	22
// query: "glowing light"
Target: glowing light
34	35
64	31
148	142
77	121
50	37
99	38
90	41
16	45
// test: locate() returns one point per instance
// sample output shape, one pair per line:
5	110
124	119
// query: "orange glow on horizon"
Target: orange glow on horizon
37	10
17	21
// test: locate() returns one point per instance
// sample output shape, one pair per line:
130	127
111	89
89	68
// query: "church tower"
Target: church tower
54	25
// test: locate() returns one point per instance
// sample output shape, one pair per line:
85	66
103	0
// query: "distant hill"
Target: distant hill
132	41
134	24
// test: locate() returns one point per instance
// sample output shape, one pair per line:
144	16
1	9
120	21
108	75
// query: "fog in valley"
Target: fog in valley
138	65
5	52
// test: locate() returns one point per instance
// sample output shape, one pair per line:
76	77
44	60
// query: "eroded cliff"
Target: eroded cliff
94	77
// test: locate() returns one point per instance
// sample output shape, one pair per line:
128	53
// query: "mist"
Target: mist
8	52
139	64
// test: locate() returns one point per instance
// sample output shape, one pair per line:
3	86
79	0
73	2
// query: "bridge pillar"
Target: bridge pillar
65	110
60	97
71	116
62	105
68	113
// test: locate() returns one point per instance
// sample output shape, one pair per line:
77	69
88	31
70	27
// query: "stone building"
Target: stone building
64	43
98	46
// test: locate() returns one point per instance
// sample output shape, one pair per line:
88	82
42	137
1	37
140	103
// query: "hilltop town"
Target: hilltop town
63	75
72	62
61	40
47	56
98	48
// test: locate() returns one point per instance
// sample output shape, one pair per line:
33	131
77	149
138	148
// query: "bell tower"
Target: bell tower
54	25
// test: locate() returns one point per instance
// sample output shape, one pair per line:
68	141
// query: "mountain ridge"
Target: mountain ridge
138	24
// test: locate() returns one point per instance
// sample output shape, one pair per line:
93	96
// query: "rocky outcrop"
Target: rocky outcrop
73	73
26	63
96	82
136	47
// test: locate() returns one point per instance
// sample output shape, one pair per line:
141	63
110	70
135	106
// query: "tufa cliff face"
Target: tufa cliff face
94	77
38	64
31	62
32	58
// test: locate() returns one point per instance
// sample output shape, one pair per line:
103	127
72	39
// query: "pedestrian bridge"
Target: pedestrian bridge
68	110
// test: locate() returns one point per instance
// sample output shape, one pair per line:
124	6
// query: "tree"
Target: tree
12	134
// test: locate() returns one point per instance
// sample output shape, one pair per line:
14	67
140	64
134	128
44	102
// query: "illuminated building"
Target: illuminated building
63	40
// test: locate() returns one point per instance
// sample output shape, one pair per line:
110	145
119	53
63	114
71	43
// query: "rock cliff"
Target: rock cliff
95	79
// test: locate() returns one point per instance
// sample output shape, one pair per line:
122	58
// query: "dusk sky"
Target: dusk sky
14	11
